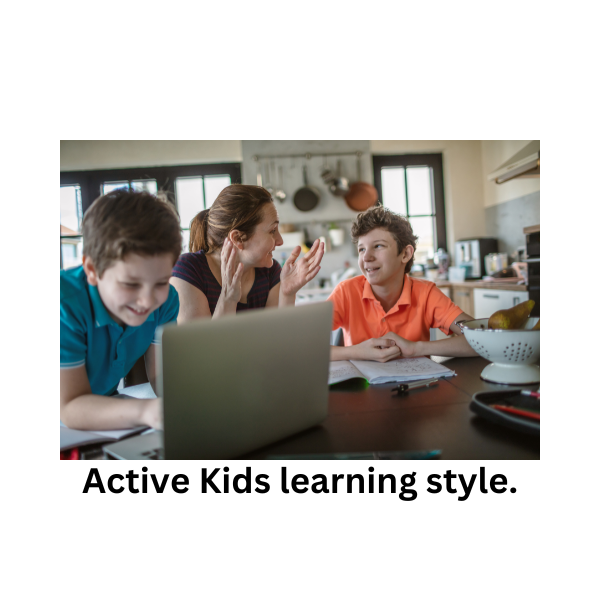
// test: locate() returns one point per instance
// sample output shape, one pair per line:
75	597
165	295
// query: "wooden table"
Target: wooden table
365	418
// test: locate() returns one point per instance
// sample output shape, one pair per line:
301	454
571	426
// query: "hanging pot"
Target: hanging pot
307	197
339	186
361	195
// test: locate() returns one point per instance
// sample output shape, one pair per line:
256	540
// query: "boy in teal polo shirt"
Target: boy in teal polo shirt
111	306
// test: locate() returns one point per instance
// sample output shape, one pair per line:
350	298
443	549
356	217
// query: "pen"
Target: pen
405	387
531	393
516	411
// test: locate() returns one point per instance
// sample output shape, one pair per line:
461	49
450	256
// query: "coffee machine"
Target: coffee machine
470	253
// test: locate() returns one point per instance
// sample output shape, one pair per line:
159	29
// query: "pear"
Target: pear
537	325
511	318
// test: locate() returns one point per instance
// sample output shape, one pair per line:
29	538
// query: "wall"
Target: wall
463	184
80	155
506	220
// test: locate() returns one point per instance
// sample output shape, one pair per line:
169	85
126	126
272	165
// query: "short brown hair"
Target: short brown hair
379	217
236	207
128	222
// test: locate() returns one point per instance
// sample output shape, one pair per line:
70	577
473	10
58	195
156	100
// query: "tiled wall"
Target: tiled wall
506	221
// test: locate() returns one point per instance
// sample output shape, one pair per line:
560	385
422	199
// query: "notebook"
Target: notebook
234	384
399	370
75	438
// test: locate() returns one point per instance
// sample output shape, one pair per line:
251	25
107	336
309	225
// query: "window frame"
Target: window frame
91	181
434	161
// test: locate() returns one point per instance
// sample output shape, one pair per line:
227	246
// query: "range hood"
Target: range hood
525	163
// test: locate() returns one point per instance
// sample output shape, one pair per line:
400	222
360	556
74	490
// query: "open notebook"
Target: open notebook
402	369
74	438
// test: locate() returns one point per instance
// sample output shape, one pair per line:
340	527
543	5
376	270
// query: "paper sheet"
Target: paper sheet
402	369
340	370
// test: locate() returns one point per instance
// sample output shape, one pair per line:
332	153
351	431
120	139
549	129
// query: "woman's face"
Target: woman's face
258	250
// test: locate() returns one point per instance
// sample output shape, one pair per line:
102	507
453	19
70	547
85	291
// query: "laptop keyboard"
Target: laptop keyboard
156	454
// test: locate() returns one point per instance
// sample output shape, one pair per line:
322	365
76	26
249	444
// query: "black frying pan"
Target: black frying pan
307	197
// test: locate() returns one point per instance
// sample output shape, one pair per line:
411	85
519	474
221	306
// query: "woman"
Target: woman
230	266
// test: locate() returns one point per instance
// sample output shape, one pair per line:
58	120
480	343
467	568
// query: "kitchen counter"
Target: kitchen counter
480	283
320	294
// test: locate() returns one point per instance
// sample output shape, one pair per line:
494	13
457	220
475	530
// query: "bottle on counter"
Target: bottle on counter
441	259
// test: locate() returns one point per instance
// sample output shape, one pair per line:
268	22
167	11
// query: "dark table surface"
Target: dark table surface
365	418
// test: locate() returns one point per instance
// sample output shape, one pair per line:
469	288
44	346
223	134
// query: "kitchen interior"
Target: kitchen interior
475	204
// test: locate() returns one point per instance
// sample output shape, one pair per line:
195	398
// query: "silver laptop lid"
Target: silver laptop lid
237	383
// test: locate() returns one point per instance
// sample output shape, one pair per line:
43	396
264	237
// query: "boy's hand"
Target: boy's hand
378	349
406	347
152	414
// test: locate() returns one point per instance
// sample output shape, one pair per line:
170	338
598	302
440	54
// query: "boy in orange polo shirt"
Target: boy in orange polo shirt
384	313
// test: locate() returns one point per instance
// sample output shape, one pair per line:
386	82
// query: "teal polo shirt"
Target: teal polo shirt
89	336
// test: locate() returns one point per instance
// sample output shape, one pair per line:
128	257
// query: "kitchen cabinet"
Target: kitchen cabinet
462	296
487	301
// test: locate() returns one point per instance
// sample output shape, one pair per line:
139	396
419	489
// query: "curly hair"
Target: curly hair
379	217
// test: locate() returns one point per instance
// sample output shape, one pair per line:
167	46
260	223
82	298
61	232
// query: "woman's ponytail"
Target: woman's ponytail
199	232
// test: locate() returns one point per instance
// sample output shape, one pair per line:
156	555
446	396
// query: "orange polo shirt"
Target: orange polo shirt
421	306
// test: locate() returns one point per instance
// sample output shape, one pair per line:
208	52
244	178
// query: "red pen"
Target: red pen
516	411
530	393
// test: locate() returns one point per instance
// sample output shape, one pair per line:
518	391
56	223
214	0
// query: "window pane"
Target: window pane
109	186
190	198
145	185
71	253
393	190
419	182
185	234
423	228
213	184
70	207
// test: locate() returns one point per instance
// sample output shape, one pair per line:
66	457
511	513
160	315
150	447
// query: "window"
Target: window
191	188
193	194
70	226
412	185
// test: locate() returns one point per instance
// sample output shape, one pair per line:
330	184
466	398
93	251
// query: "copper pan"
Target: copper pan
361	195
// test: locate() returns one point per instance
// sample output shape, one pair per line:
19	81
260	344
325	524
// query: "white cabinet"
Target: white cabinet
487	301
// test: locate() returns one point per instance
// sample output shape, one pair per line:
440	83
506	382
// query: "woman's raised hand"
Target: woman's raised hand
231	274
297	272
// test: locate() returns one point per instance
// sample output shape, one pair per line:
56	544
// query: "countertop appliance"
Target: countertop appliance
470	254
532	243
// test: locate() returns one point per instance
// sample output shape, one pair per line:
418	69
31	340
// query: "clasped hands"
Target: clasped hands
386	348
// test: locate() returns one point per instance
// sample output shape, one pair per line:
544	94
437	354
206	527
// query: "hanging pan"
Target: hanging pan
307	197
361	195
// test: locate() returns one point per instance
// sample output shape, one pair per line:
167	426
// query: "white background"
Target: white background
311	70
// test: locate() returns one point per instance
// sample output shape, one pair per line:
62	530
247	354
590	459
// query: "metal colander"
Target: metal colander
514	352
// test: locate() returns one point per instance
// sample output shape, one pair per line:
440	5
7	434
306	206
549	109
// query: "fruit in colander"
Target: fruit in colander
511	318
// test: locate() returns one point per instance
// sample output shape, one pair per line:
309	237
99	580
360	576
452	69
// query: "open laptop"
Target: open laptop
237	383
